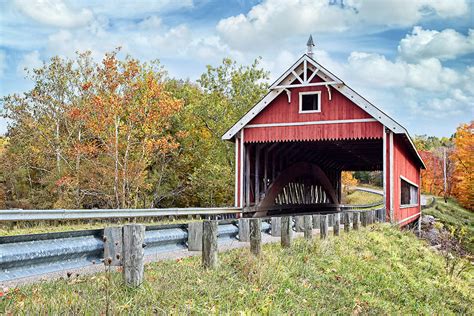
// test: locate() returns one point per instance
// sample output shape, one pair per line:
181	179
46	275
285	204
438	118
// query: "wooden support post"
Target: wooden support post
355	220
257	174
316	221
299	223
247	175
244	229
286	231
195	236
255	236
337	224
308	227
133	237
265	171
113	242
276	226
209	244
323	228
347	222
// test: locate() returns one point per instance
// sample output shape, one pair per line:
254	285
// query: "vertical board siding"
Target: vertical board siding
388	192
338	108
367	130
404	165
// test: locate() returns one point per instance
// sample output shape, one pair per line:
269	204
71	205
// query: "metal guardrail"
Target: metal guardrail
36	254
70	214
30	255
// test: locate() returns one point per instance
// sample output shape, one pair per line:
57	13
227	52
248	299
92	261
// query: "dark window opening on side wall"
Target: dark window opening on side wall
408	193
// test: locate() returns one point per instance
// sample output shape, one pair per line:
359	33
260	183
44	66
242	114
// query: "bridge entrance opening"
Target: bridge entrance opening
303	176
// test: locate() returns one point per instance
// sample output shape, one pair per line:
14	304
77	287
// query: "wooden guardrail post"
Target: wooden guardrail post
255	236
364	218
113	244
133	264
337	224
286	231
323	228
299	223
330	220
209	244
308	227
244	229
195	236
347	222
355	220
316	220
276	226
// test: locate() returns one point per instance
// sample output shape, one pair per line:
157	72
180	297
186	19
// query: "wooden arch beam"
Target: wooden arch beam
292	173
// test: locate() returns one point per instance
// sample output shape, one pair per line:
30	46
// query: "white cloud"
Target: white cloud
444	45
54	13
29	61
428	74
275	20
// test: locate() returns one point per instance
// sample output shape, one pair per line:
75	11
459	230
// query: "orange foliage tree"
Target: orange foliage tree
463	158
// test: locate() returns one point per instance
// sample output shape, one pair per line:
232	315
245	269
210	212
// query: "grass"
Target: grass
456	219
378	270
360	197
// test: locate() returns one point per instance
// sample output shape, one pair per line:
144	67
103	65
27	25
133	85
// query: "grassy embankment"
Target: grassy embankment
354	197
378	270
456	219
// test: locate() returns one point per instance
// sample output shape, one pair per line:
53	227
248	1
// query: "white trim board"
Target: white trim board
410	217
367	120
410	182
330	79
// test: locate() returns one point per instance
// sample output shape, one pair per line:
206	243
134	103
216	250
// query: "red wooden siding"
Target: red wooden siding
314	132
387	175
239	170
338	108
403	165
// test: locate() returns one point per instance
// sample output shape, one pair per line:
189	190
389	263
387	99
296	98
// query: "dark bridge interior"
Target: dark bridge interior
303	176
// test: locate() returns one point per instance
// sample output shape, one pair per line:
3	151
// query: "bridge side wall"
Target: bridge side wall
404	166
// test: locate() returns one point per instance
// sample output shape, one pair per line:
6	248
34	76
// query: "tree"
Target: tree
463	158
86	134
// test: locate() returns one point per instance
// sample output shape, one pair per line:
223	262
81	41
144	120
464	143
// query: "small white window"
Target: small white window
408	193
310	102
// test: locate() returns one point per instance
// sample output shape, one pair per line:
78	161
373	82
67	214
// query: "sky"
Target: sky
414	59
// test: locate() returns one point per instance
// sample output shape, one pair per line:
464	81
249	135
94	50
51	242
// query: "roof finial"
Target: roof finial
310	45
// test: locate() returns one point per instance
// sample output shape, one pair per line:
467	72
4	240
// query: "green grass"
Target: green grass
378	270
456	219
360	197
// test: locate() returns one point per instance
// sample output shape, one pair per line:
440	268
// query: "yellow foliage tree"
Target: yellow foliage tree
348	180
463	157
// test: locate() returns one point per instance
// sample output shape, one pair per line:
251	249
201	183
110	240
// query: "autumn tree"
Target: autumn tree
85	135
463	159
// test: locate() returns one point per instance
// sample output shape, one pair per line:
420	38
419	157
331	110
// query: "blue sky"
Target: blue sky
412	58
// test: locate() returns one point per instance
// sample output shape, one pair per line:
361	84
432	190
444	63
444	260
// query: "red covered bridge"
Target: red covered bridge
292	146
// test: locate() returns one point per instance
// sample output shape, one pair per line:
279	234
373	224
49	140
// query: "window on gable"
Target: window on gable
310	102
408	193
